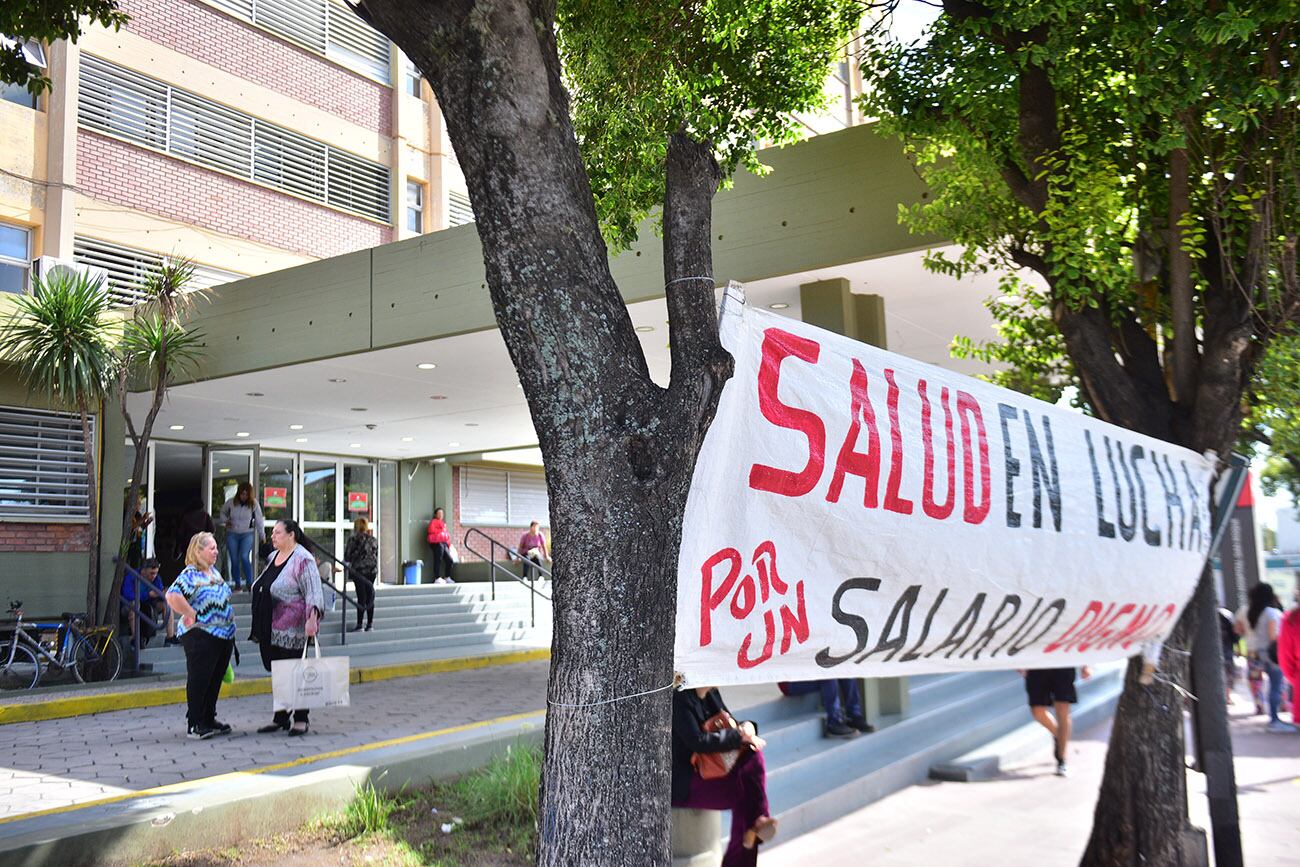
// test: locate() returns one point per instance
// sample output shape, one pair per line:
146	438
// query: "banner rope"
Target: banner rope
677	679
684	279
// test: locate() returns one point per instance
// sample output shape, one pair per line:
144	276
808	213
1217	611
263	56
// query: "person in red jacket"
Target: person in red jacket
1288	652
440	542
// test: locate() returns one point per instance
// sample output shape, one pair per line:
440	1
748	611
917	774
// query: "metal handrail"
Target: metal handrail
532	568
314	546
139	614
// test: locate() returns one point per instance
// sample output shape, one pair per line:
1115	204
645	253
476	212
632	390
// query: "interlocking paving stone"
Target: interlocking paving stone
57	763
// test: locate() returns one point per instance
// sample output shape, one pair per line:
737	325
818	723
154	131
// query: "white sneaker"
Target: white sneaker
1062	770
1281	728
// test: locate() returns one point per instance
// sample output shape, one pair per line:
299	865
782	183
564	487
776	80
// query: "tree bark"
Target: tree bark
1180	281
619	450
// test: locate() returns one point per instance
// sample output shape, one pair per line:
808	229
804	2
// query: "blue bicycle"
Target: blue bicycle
92	655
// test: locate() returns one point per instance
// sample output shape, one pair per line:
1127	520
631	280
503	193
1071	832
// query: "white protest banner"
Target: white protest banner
855	513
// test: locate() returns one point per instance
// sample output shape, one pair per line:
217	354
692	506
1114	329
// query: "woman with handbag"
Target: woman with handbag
287	606
718	765
1260	621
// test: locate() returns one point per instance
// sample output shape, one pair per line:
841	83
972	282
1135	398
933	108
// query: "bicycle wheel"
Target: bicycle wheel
92	666
22	672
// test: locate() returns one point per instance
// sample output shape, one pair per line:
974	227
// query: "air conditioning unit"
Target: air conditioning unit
43	267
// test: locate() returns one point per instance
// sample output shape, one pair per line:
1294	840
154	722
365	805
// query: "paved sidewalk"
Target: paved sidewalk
1028	817
58	763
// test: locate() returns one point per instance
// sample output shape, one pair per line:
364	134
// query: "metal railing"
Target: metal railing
348	572
531	568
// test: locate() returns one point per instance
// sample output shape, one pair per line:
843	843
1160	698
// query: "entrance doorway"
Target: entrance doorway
176	498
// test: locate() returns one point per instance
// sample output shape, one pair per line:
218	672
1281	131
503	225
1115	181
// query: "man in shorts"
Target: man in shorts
1051	692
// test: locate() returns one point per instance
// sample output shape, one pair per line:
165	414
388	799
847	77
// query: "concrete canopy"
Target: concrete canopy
335	345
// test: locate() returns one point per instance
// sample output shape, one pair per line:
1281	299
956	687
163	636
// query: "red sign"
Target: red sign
358	501
275	498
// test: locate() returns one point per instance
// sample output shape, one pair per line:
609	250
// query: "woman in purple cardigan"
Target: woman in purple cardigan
287	607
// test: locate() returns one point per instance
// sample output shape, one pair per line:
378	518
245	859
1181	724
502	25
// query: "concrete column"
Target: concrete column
831	304
61	151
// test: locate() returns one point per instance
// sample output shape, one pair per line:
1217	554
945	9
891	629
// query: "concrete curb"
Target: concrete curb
80	705
232	808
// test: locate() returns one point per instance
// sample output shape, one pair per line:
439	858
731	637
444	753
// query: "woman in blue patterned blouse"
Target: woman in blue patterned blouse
207	633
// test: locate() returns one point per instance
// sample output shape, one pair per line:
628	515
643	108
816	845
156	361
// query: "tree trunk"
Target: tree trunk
92	507
619	449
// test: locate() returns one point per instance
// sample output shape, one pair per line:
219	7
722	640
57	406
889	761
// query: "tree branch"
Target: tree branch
1180	280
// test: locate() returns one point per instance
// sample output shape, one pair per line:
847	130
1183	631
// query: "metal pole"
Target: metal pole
1210	711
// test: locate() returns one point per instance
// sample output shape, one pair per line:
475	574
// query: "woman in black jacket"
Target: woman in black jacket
743	791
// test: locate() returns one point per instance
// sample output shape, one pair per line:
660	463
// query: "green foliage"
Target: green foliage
60	336
1082	198
728	72
1274	415
505	790
157	344
46	21
369	812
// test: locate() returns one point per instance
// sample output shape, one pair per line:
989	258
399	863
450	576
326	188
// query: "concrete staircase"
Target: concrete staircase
813	780
411	622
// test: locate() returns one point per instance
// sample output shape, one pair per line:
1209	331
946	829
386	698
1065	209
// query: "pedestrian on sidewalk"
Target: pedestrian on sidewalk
362	556
842	702
1051	692
1288	651
1260	620
440	542
242	518
743	790
201	599
287	607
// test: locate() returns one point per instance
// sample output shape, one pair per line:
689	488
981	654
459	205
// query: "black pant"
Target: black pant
365	598
442	560
206	658
531	562
282	716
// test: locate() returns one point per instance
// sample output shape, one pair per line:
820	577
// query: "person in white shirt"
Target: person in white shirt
1260	621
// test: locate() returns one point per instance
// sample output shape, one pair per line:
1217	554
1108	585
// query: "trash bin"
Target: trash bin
412	571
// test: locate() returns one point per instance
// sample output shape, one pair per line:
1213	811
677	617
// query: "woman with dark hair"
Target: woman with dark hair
287	607
362	556
742	790
241	517
1260	621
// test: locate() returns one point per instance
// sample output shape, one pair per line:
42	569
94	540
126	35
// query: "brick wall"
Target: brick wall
114	171
44	538
239	48
504	535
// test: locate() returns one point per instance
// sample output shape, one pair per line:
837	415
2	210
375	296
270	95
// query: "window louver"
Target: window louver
131	106
42	466
459	210
128	268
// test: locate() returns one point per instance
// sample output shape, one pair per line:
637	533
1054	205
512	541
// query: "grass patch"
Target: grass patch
497	806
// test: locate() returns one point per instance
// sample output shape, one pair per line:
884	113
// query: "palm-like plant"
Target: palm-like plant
61	339
156	346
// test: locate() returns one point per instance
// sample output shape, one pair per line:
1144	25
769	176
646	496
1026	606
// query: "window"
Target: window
327	27
459	210
34	53
128	268
502	498
42	466
15	257
414	206
137	108
410	78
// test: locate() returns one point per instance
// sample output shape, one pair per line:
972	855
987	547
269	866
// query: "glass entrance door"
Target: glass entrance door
224	471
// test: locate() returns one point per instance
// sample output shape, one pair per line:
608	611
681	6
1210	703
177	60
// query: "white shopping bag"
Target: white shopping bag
299	684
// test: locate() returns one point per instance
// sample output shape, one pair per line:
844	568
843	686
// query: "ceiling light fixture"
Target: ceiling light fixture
426	365
408	439
295	427
176	427
224	470
354	445
301	440
780	305
453	445
242	433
